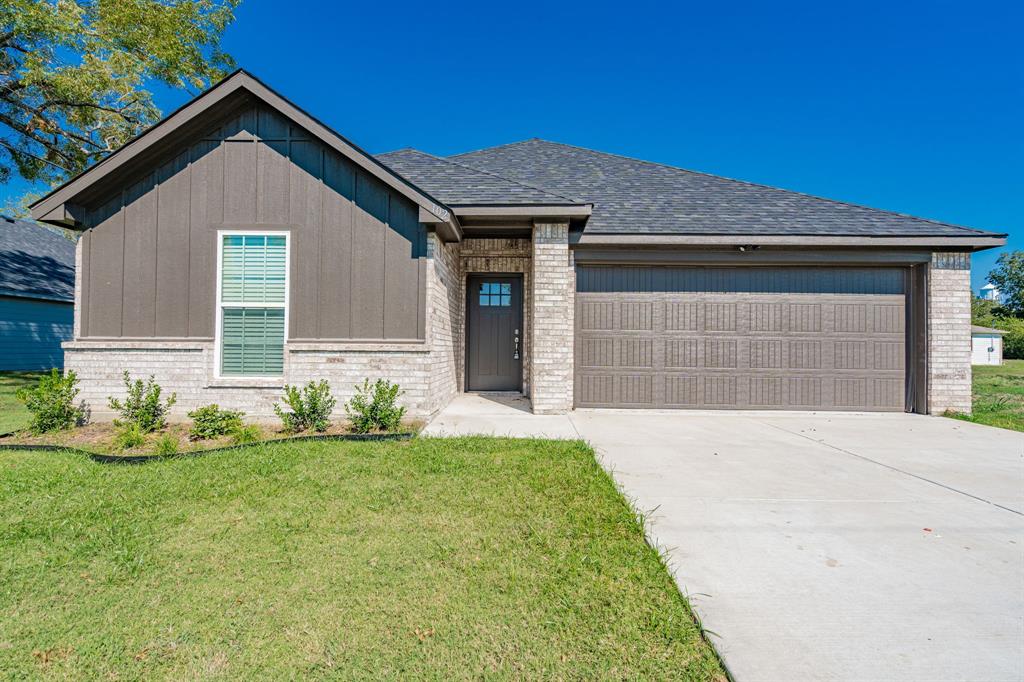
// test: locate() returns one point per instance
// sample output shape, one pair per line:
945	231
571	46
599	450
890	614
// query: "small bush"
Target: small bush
210	421
142	407
373	407
243	435
51	402
129	436
310	408
166	445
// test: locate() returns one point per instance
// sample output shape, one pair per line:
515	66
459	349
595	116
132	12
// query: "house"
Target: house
241	244
37	280
990	292
986	345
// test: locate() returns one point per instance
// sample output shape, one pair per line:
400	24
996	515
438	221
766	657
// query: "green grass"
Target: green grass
998	395
13	414
427	559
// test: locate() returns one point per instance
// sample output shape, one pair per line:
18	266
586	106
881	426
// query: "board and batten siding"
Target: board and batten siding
31	332
358	270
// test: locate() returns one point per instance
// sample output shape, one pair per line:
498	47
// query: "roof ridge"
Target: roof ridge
492	174
742	182
499	146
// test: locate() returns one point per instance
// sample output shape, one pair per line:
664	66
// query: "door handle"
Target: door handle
515	351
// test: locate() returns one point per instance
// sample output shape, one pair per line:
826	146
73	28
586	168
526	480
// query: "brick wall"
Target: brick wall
949	333
444	322
187	369
553	309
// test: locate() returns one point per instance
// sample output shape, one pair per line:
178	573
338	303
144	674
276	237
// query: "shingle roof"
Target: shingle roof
35	261
456	184
631	196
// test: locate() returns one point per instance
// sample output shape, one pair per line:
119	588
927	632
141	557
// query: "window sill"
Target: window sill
415	346
247	382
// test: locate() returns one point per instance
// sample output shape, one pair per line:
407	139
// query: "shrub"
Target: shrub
129	436
1013	341
310	408
166	445
51	402
250	433
373	407
142	407
210	421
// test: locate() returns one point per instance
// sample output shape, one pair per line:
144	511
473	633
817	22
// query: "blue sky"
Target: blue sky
916	107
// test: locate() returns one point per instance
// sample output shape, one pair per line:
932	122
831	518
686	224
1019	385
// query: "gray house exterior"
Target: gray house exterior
37	278
241	245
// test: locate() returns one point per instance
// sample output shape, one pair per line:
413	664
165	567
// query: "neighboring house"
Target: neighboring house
990	292
986	345
37	294
241	244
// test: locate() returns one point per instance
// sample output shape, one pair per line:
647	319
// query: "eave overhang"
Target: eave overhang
968	242
522	211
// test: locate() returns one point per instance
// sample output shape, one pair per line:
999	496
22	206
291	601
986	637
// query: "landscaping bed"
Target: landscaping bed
420	559
101	438
51	419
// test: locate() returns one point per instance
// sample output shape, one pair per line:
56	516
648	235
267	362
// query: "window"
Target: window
495	294
252	303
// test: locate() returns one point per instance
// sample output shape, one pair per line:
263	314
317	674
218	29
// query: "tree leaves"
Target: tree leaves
74	75
1008	276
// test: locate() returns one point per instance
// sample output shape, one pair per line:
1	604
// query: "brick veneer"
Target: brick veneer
949	333
444	322
554	286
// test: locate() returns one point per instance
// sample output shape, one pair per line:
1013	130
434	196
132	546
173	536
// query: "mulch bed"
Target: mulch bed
96	441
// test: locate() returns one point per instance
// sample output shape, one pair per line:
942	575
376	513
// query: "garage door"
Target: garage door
740	338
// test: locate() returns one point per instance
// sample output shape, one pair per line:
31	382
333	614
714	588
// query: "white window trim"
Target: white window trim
219	336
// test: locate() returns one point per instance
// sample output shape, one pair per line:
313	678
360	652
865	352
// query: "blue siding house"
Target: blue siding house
37	295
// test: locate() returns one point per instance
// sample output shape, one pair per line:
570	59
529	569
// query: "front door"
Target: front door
494	340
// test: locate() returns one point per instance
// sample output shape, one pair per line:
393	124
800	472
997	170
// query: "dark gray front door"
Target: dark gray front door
494	340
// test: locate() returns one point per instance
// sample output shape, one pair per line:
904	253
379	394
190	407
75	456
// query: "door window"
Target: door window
495	294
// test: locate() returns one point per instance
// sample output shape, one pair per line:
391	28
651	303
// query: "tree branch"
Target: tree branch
89	105
22	129
15	151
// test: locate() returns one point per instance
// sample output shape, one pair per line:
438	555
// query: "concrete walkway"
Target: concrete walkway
821	546
498	415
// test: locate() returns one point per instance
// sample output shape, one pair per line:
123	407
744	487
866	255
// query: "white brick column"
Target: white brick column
553	306
949	333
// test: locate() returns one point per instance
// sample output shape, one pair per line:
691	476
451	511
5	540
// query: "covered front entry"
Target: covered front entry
494	326
799	338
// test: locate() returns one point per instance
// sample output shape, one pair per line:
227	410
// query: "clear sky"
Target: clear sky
916	107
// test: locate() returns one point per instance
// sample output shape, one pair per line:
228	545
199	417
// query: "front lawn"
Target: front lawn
13	414
999	395
431	558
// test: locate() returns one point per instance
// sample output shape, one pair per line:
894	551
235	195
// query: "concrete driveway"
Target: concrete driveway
823	546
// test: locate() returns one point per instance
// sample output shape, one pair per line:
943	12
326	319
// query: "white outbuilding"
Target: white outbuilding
986	345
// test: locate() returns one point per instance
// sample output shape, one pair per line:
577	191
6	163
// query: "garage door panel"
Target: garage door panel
682	390
682	316
835	340
889	355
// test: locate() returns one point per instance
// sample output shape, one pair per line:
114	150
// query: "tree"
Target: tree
984	312
74	75
1008	276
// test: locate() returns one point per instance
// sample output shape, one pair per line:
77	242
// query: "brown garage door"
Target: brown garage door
740	338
